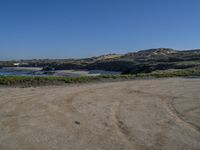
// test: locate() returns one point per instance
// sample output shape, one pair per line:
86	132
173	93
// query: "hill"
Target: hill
143	61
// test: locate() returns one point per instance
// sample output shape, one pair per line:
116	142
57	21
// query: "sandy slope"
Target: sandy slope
132	115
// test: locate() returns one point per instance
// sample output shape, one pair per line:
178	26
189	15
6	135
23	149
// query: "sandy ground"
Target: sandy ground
78	73
130	115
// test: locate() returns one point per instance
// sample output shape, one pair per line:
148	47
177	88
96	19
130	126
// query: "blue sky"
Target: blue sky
83	28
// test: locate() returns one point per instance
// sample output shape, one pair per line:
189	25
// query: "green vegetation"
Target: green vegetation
36	81
27	81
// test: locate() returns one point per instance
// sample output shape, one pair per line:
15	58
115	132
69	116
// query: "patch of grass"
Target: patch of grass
36	81
27	81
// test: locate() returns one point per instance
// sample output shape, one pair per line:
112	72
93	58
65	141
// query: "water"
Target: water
21	73
25	71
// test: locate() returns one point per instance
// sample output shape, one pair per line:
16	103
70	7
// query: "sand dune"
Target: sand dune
130	115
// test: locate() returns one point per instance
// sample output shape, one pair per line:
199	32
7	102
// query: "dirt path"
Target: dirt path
131	115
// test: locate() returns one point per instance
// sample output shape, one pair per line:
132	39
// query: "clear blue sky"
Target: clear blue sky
83	28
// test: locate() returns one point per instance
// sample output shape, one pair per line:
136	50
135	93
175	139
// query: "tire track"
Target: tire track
180	117
116	123
169	103
191	109
69	101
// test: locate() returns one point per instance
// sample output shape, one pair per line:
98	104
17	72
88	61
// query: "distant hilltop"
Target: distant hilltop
134	62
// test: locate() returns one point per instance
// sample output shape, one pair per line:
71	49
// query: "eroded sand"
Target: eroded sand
131	115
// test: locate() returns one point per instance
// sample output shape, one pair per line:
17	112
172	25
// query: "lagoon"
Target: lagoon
33	71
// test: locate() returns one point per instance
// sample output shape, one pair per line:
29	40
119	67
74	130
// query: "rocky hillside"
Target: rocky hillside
144	61
150	60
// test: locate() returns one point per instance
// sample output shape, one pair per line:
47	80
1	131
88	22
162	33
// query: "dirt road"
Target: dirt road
130	115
